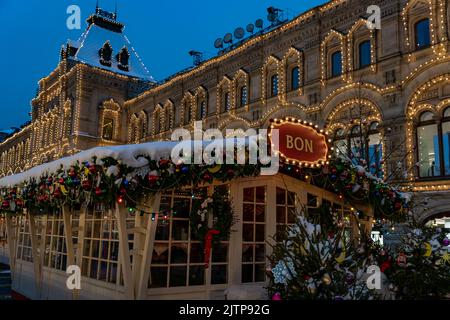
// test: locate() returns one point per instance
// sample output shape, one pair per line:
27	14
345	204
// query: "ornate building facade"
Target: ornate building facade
390	87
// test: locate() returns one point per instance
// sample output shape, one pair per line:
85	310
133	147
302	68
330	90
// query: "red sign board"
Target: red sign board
300	143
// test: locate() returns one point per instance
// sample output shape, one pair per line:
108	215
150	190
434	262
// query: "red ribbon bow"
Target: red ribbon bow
208	244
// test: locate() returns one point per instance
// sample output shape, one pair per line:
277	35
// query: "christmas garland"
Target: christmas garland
109	182
355	185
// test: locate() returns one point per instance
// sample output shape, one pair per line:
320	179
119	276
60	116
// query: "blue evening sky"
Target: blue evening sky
162	32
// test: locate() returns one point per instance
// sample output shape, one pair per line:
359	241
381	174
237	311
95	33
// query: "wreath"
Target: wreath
220	209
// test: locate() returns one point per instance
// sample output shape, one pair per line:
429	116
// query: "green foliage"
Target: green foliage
319	261
424	272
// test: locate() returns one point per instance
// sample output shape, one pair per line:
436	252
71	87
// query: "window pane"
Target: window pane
340	147
281	214
260	233
108	127
364	54
260	214
247	273
375	154
274	85
447	113
160	254
281	196
196	253
336	64
446	141
178	276
295	78
260	273
244	95
261	195
180	230
196	275
249	214
249	194
422	33
219	274
227	102
427	137
426	116
247	232
158	277
179	253
247	253
219	253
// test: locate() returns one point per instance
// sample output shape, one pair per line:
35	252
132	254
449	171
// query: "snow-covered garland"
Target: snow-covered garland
356	185
89	183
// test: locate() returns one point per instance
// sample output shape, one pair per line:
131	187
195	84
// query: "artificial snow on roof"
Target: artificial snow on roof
93	40
132	155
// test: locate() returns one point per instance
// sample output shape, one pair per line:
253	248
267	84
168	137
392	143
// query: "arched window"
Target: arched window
336	64
362	144
446	140
428	146
295	78
374	150
243	98
123	58
422	34
201	112
157	122
357	150
187	112
227	102
274	85
364	54
108	129
168	117
340	143
106	54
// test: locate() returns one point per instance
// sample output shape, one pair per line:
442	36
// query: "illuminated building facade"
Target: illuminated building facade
387	90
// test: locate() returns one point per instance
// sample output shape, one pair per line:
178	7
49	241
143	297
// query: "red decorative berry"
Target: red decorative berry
57	193
5	205
19	203
86	184
93	169
153	179
98	192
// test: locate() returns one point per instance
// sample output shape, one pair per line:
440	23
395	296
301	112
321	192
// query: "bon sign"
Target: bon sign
301	143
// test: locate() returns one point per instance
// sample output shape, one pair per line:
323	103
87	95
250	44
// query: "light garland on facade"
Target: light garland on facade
408	27
200	96
412	112
223	88
324	54
286	66
187	103
110	109
350	40
236	85
267	69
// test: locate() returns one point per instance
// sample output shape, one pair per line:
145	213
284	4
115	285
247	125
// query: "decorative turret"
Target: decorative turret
104	45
